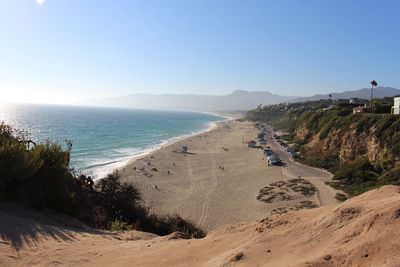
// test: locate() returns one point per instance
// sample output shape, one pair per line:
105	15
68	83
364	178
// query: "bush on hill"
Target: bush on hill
390	177
358	176
327	161
39	176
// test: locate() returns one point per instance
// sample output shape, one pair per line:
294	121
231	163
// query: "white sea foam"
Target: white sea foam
104	139
105	167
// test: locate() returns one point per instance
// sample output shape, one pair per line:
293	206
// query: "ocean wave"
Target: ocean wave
101	170
102	164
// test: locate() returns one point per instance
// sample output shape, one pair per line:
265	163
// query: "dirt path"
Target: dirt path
210	191
317	177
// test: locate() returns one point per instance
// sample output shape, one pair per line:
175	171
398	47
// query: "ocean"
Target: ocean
104	139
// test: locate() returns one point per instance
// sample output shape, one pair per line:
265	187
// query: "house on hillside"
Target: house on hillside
328	108
361	109
396	106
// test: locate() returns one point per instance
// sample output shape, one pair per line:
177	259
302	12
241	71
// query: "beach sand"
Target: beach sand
217	182
363	231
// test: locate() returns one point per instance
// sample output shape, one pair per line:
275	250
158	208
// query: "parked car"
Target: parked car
273	160
290	149
261	135
268	152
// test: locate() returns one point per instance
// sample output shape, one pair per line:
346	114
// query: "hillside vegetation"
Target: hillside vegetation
362	150
39	176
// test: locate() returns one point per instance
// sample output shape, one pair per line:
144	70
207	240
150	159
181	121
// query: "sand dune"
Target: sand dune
363	231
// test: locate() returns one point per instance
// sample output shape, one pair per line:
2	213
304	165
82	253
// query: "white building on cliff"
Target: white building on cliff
396	106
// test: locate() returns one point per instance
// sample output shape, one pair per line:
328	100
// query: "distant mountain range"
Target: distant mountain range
365	93
237	100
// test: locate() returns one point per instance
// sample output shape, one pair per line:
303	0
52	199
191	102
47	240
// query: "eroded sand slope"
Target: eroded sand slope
363	231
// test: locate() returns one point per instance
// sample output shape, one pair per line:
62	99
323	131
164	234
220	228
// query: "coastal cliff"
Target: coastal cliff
371	136
350	140
334	138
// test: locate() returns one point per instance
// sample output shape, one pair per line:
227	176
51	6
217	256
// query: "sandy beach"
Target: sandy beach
219	180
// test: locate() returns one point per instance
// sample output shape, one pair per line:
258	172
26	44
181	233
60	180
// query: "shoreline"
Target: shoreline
220	180
119	165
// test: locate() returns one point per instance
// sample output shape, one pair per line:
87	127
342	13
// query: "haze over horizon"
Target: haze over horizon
61	52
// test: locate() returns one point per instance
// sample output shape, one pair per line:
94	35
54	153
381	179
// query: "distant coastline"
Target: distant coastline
165	143
105	139
120	164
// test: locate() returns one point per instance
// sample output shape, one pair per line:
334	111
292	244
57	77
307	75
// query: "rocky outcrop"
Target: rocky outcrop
355	145
302	132
348	143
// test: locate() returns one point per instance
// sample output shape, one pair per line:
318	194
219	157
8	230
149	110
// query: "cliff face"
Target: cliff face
356	145
348	142
336	131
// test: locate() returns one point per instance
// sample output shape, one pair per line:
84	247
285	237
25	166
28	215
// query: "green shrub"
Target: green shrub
341	197
17	164
123	203
329	161
358	177
389	177
345	112
359	171
287	137
163	225
119	225
121	200
51	186
40	177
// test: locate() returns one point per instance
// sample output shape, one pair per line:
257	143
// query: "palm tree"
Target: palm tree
373	83
330	97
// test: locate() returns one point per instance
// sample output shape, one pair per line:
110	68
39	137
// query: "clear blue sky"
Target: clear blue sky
66	50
